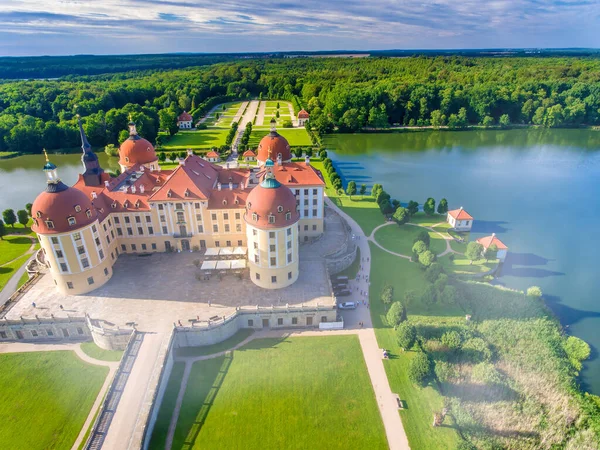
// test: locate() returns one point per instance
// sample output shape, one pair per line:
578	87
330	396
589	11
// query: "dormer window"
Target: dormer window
271	218
288	216
280	208
113	205
126	159
224	202
94	195
71	220
169	194
88	213
249	205
38	214
255	217
126	204
237	202
50	224
77	208
187	193
137	204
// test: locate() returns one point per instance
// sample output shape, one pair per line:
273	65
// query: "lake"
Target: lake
538	190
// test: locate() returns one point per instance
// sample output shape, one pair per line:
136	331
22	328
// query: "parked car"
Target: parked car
340	279
342	293
347	305
340	285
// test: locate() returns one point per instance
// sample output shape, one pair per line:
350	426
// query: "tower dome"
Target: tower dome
271	204
136	150
273	145
60	208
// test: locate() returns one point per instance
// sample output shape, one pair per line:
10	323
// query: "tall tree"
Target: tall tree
23	217
442	206
474	251
2	230
9	217
429	206
413	207
351	189
363	189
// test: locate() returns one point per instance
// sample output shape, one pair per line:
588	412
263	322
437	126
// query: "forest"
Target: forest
345	95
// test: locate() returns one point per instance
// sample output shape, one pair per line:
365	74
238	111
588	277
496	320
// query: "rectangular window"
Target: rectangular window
97	240
105	271
250	321
227	243
257	276
163	218
69	285
164	230
239	242
140	230
315	202
197	205
314	192
254	232
294	321
148	219
237	216
94	229
256	260
199	217
85	263
126	219
289	275
49	332
59	253
77	236
119	232
63	267
289	231
202	243
109	224
200	229
214	216
34	333
112	255
305	227
79	330
314	228
323	318
289	244
54	240
273	261
143	246
150	230
271	235
305	213
238	227
314	213
273	279
107	239
117	220
226	228
279	321
272	248
225	216
178	206
101	253
123	247
3	334
133	247
215	228
255	245
306	201
129	231
289	257
161	207
217	244
90	280
305	191
153	246
297	192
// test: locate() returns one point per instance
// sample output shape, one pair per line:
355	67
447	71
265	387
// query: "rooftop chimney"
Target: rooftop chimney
190	152
218	186
181	162
106	183
230	186
307	160
133	189
142	188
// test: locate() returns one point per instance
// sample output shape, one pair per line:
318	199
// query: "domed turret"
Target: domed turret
136	150
273	145
60	208
272	233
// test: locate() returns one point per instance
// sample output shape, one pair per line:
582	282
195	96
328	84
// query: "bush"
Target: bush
475	350
423	236
387	294
401	216
534	291
486	373
427	258
406	334
419	369
451	339
287	124
111	150
444	371
396	314
577	350
419	247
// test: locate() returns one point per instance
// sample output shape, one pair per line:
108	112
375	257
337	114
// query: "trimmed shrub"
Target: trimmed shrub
419	369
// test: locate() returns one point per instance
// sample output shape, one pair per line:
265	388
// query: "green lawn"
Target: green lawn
23	279
400	239
296	137
12	247
200	139
161	428
4	155
216	348
462	267
92	350
427	221
294	393
9	269
46	397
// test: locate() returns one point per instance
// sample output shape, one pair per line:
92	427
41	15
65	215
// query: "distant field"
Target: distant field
295	136
200	139
46	397
294	393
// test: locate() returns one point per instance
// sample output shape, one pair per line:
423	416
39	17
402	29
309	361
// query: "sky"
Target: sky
63	27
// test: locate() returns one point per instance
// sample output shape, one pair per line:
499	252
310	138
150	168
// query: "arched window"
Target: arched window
280	208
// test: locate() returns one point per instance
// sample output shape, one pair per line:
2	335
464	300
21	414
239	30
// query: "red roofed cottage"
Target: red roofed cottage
460	220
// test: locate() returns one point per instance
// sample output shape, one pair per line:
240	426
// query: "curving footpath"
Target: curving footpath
11	285
21	347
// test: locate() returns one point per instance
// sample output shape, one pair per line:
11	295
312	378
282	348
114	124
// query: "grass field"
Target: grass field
92	350
296	137
23	279
46	397
216	348
400	239
161	428
12	247
295	393
201	139
463	268
5	155
9	269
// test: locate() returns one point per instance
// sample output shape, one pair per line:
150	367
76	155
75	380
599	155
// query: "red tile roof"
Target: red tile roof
460	214
249	153
302	114
489	240
293	174
212	154
184	117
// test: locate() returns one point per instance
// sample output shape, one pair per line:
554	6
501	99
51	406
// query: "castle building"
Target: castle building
198	205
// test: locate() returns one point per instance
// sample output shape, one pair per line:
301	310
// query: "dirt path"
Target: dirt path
292	116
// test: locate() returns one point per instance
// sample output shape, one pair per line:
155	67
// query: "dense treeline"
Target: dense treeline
340	94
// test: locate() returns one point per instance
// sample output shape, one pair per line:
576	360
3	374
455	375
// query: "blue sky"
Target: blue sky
58	27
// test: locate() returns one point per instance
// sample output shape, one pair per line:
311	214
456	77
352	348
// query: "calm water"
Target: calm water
537	190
